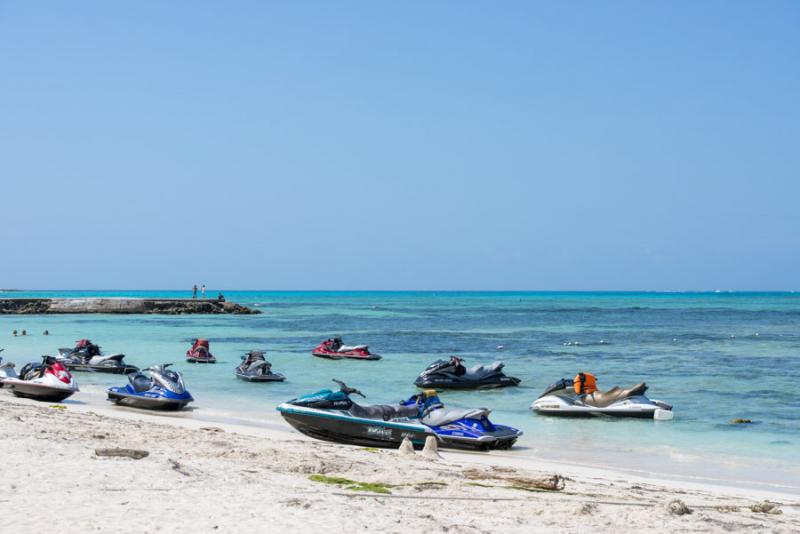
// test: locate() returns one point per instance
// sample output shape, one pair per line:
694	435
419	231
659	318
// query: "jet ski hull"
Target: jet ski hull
344	355
109	369
503	437
435	382
634	407
273	377
122	397
341	428
40	392
194	359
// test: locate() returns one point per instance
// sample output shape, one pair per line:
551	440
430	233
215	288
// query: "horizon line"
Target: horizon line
716	291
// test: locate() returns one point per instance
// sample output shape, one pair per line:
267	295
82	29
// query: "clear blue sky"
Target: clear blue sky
400	145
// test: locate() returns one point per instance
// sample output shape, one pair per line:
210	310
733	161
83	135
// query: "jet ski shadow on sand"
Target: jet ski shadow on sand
155	388
451	374
256	368
48	381
86	356
581	398
333	416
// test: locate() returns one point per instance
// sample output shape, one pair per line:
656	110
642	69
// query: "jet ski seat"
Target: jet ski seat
261	367
383	411
479	371
31	370
140	382
443	417
601	399
348	348
116	357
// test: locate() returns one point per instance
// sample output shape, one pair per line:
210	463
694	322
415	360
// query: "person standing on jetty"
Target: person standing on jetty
194	291
203	291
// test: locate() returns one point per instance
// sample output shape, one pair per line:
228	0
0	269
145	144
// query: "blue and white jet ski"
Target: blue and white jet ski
333	416
155	388
462	429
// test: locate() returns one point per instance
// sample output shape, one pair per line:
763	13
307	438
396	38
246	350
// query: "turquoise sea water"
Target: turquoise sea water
714	356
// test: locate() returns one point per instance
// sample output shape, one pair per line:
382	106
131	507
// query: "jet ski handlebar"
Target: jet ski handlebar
347	390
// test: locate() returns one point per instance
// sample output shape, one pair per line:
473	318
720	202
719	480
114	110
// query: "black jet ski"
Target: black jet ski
256	368
86	356
581	398
451	374
333	416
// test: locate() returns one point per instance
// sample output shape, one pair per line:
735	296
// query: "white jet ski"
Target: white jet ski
576	398
48	381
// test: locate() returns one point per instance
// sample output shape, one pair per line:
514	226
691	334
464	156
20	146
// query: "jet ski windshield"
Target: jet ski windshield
140	382
254	355
561	384
166	378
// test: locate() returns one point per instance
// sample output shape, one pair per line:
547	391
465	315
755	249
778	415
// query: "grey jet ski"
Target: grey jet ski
256	368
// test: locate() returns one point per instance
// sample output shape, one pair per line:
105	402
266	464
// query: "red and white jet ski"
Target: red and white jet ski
48	381
200	353
335	349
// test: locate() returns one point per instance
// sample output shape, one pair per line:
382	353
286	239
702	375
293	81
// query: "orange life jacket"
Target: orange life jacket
585	383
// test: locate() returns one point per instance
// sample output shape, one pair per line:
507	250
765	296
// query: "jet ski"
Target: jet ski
199	353
256	368
47	381
6	370
581	398
155	388
451	374
86	356
462	429
335	349
333	416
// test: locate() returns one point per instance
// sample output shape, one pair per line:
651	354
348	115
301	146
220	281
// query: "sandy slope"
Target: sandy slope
215	480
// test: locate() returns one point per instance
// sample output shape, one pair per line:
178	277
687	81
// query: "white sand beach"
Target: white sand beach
201	477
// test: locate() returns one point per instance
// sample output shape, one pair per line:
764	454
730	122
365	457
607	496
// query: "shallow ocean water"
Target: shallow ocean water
714	356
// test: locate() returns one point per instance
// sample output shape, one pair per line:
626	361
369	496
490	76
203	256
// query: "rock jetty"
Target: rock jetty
120	305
